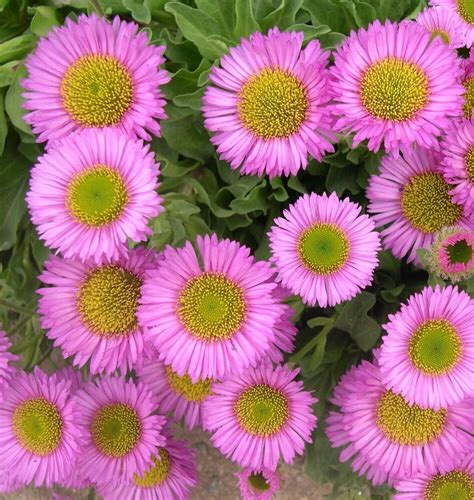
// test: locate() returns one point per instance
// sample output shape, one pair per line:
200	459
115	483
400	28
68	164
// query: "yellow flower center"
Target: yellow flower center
97	196
468	97
116	429
262	410
469	164
466	10
408	425
394	90
427	204
157	473
97	90
185	388
37	425
273	104
442	34
108	301
455	485
435	347
211	307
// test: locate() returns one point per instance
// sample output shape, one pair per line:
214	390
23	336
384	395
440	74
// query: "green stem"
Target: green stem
14	307
313	342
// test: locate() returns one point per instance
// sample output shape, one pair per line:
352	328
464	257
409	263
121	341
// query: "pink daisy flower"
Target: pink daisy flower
39	438
90	311
212	312
260	416
456	483
120	427
428	353
268	103
171	474
92	192
410	197
175	393
258	484
95	74
385	434
398	94
443	23
452	255
324	249
464	11
458	165
7	370
468	82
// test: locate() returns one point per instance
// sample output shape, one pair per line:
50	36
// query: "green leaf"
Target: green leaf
362	12
310	32
222	11
44	18
341	180
3	125
332	14
17	48
7	73
14	101
245	23
140	12
283	16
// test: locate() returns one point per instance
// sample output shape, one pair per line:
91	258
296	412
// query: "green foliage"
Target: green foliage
202	194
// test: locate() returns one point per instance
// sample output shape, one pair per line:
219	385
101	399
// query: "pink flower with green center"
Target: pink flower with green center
258	484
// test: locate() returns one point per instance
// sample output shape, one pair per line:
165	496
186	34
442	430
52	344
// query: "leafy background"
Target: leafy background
202	193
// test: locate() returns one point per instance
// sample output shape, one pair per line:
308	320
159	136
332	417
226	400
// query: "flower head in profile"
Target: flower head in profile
211	312
464	11
443	23
410	198
121	429
95	74
267	104
451	256
324	249
258	484
387	437
398	94
260	416
40	438
90	311
7	370
92	192
427	355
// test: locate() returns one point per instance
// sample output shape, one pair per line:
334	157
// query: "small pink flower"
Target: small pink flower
442	22
465	14
258	484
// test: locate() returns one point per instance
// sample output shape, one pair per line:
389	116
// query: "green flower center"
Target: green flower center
455	485
108	301
185	387
273	104
97	196
459	252
323	248
97	90
258	482
116	430
466	10
435	347
408	425
442	34
469	164
157	473
394	90
262	410
468	97
37	425
211	307
427	204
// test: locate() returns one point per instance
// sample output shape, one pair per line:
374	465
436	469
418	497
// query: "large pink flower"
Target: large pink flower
398	94
268	104
464	11
92	73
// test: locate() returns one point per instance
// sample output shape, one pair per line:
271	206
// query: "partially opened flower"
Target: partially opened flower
171	474
120	427
451	256
268	103
175	393
92	192
324	249
428	352
7	370
458	164
90	311
211	312
260	416
39	438
398	94
458	483
464	10
443	23
410	197
259	484
92	73
386	435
